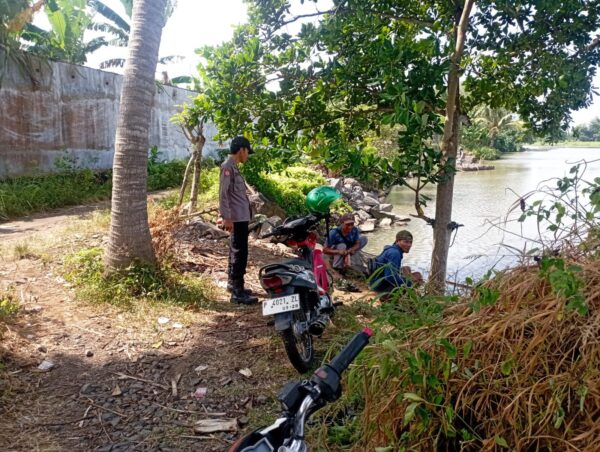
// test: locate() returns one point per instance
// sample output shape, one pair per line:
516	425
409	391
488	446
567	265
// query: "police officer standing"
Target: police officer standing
234	207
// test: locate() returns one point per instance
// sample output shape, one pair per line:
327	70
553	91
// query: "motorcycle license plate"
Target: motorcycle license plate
282	304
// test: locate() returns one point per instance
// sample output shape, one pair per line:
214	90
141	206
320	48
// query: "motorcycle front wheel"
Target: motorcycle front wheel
298	342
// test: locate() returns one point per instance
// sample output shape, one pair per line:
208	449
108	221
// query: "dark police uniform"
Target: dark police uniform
234	205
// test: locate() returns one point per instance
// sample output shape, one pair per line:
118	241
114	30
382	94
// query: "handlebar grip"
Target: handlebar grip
343	359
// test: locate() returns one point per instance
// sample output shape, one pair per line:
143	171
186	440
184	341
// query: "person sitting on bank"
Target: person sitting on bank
344	244
388	273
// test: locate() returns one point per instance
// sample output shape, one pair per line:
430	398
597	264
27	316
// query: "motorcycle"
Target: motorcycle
301	399
299	290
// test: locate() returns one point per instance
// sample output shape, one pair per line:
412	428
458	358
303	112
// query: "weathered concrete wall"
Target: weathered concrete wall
69	111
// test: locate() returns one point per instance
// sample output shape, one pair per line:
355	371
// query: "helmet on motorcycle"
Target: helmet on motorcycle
319	199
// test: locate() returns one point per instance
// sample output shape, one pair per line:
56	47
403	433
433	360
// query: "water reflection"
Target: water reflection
480	199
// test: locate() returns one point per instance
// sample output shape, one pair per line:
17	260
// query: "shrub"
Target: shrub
287	188
486	153
9	306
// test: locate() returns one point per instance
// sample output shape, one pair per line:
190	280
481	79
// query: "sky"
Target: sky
196	23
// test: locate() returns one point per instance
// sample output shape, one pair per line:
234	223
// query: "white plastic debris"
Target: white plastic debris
46	365
163	320
246	372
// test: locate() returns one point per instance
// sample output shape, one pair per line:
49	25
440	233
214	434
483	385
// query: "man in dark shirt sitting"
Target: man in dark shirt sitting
388	273
344	244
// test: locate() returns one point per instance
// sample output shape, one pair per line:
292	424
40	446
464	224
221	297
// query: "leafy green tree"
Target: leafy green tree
364	64
589	131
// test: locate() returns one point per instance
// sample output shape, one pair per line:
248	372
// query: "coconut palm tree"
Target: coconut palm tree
129	236
495	120
119	27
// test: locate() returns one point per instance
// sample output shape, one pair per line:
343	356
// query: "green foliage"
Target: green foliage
569	210
420	376
486	153
369	68
287	188
565	282
9	306
136	283
588	132
25	195
72	186
69	20
163	174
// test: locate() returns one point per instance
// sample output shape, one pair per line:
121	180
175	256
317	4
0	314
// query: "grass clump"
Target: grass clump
9	306
135	283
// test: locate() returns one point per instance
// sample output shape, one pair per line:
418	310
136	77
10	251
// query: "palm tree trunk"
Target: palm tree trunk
445	190
129	236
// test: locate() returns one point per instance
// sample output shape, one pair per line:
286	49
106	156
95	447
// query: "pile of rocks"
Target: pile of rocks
370	208
468	162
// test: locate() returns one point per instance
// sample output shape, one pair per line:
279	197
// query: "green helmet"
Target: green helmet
319	199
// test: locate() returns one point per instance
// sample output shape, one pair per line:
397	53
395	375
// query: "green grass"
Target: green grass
136	283
25	195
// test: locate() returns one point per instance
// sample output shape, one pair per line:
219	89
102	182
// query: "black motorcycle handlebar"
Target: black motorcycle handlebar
343	359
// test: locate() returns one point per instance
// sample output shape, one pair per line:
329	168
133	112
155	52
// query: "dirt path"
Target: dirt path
126	379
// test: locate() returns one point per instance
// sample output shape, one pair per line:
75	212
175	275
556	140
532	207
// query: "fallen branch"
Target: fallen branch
123	376
205	211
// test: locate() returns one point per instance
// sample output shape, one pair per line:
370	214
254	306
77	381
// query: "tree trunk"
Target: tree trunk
186	176
196	179
129	236
445	190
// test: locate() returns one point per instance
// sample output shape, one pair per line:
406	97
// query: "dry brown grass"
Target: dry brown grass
531	378
164	223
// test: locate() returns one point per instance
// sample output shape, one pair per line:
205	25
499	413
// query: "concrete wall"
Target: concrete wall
60	110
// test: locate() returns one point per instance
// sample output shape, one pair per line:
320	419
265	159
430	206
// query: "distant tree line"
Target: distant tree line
587	132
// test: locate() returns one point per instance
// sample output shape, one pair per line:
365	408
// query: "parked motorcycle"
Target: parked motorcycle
298	290
301	399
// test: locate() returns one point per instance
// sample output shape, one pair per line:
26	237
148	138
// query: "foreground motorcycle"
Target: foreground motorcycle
300	399
299	289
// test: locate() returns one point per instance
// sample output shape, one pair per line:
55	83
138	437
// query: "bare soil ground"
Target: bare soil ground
125	379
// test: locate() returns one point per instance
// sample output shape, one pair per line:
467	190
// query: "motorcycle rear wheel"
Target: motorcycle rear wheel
299	347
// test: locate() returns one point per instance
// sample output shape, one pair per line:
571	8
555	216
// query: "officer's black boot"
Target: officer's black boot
230	286
238	295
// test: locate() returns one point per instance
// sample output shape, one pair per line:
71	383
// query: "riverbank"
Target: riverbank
562	144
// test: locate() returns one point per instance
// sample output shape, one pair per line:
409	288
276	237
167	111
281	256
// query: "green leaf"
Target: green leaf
409	414
507	367
413	397
501	441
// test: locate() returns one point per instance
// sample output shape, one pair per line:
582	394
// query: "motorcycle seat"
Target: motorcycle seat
290	264
299	262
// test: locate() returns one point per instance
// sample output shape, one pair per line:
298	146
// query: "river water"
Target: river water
482	199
